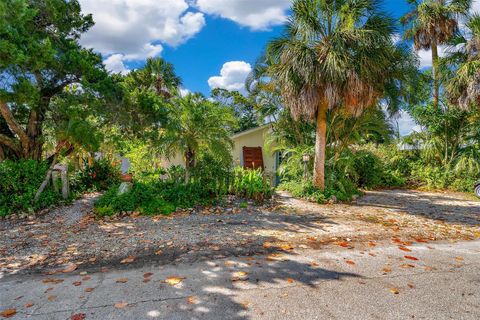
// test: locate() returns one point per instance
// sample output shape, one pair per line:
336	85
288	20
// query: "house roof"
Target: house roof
243	133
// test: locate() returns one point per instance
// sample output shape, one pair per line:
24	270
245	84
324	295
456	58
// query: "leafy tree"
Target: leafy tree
432	23
335	54
39	58
461	67
198	125
243	107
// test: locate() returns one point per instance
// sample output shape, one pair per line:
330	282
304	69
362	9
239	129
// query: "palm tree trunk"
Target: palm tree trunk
320	145
436	82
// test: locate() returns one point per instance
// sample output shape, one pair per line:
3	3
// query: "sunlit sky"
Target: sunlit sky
212	43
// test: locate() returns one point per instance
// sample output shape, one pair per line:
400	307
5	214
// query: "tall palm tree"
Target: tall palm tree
333	54
432	23
461	67
198	125
159	76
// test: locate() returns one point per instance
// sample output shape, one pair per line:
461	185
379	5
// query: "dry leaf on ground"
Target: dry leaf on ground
411	258
394	291
128	260
350	262
121	305
7	313
122	280
239	276
69	268
78	316
174	280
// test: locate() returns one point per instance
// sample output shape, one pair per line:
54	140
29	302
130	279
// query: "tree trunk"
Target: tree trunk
189	163
320	145
436	81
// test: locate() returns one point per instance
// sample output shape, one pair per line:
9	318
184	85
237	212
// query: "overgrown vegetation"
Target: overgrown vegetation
333	110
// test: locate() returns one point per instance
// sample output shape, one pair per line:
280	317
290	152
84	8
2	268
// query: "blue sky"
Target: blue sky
212	43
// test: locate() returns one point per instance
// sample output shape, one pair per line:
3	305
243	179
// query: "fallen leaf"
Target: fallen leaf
459	258
77	283
404	249
343	244
239	276
372	244
290	280
158	252
174	280
51	298
128	260
192	300
18	298
406	266
267	245
350	262
28	305
78	316
89	289
314	264
147	275
7	313
410	285
71	267
86	278
275	257
286	247
83	273
394	290
121	305
122	280
51	280
245	304
411	258
387	269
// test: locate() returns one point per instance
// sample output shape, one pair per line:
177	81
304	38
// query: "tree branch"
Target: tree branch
12	123
10	143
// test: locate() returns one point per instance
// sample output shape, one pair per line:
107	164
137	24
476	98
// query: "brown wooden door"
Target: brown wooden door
252	157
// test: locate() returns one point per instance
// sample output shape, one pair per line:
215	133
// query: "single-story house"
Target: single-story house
249	151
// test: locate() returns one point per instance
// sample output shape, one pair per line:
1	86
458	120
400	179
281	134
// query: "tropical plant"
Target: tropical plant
461	67
40	57
432	23
252	184
243	107
334	54
198	125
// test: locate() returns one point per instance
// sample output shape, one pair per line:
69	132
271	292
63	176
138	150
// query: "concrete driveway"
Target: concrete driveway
378	281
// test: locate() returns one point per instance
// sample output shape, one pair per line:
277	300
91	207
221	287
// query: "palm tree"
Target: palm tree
159	76
333	55
198	125
432	23
461	67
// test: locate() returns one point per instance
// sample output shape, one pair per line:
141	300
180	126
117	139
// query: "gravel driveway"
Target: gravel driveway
72	235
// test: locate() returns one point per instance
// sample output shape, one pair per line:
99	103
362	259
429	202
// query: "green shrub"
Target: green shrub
368	169
252	184
303	189
19	183
100	176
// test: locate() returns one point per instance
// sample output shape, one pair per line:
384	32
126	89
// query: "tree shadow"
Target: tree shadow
450	209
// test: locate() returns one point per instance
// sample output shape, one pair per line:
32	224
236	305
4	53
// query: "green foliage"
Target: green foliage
18	185
243	107
100	176
252	184
304	189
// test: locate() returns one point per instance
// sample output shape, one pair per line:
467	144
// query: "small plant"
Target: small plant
251	184
100	176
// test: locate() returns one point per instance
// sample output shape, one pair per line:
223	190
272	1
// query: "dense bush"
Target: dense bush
18	184
252	184
100	176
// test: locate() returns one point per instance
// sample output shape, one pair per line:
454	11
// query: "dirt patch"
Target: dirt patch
72	235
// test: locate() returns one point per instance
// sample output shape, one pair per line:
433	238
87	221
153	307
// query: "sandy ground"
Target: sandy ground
70	235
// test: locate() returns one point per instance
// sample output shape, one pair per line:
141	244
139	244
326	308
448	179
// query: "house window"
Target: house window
252	158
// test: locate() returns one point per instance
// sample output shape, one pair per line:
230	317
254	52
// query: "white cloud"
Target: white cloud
134	28
115	64
184	92
476	6
232	76
256	14
405	123
426	56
